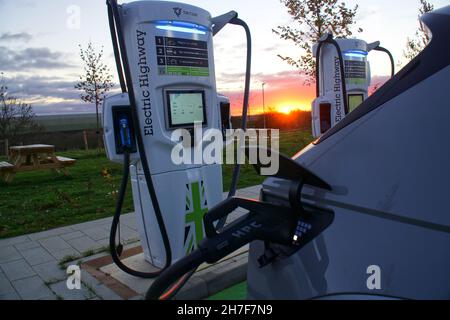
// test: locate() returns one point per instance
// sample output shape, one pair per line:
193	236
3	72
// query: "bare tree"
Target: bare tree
421	39
311	20
3	87
96	80
16	117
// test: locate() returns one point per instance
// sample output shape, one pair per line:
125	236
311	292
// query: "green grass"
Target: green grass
290	143
237	292
38	201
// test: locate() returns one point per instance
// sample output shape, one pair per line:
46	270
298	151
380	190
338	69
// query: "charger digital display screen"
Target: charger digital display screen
354	100
186	108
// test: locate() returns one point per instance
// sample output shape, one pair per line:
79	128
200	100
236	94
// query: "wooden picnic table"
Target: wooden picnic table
33	158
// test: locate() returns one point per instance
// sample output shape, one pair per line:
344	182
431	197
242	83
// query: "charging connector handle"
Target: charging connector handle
265	221
221	21
272	223
125	134
289	226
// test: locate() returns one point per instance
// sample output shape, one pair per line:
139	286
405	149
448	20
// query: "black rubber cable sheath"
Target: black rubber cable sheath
318	58
245	107
113	32
112	5
391	58
174	272
333	42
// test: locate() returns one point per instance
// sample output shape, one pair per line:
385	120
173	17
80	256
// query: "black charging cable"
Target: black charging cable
237	169
391	58
329	39
127	86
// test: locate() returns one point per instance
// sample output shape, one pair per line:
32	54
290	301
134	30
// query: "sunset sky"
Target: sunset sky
39	53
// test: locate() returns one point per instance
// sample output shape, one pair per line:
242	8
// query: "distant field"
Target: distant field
290	143
38	201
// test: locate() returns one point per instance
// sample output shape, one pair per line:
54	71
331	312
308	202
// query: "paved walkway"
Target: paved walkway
30	265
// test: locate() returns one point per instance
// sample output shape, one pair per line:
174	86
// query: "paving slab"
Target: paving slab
92	224
104	243
50	233
61	291
9	296
130	223
96	233
50	272
27	245
32	288
37	256
54	244
6	287
84	244
16	270
13	241
72	235
128	234
63	254
8	254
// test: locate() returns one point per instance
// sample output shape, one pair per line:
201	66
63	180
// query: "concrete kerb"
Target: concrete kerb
209	280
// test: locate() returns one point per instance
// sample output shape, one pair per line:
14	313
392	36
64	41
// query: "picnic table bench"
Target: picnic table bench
33	158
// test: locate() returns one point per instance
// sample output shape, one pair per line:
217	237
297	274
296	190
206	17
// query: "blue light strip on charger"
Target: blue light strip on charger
356	53
180	26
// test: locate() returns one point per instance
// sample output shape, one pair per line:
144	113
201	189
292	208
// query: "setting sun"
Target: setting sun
286	109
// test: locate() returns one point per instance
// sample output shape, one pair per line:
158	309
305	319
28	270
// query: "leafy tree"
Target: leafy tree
421	39
96	80
16	117
311	20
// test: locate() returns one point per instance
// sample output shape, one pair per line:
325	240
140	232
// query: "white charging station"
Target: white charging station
170	52
329	108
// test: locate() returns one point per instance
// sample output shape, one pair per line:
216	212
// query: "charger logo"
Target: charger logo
178	11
